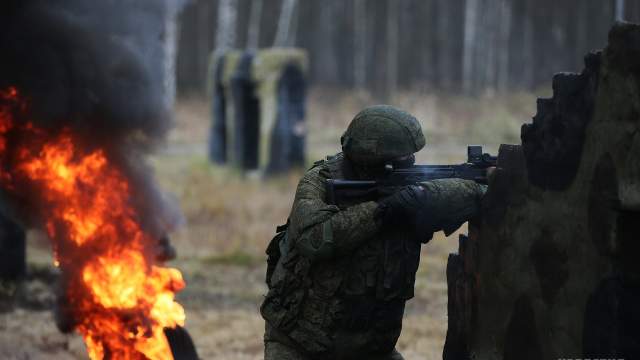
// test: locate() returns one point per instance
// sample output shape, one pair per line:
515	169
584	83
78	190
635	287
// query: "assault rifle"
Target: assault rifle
343	192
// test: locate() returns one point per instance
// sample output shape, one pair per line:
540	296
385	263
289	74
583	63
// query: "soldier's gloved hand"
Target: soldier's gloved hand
451	203
401	207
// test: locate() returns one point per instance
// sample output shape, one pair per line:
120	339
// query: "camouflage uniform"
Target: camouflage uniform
339	288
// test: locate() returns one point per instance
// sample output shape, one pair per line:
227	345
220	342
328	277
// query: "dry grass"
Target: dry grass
230	219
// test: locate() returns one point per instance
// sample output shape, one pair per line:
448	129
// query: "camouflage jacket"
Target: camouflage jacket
340	285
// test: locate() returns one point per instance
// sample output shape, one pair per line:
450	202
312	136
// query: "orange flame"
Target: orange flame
119	298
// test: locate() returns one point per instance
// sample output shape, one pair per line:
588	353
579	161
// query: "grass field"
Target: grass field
229	220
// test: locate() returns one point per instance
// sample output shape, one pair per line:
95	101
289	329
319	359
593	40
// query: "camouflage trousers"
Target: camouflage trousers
274	350
278	346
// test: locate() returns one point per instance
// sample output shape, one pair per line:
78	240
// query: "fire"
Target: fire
120	299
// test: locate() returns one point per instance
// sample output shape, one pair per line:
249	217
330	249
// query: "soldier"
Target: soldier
342	276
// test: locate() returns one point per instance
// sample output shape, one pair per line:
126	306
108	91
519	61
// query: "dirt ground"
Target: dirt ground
229	220
221	300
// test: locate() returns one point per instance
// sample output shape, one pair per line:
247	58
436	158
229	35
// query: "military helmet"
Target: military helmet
381	133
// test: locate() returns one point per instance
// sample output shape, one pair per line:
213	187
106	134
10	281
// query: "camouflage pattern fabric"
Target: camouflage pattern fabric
380	133
339	288
276	351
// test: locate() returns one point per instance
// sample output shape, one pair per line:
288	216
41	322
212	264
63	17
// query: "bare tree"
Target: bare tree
283	34
170	52
503	45
253	37
226	29
527	45
619	10
470	31
327	57
481	44
359	44
443	34
293	30
492	27
202	42
392	47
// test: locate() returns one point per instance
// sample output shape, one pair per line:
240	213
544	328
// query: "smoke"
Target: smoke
97	67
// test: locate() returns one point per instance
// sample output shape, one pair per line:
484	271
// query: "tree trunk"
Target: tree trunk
619	10
392	48
226	29
359	44
170	48
528	46
253	38
283	35
443	21
327	58
203	44
492	29
293	28
468	61
503	45
483	42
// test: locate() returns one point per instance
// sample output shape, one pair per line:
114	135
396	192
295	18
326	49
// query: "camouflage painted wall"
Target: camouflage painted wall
551	271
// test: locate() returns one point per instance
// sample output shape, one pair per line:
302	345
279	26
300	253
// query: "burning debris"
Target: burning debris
79	107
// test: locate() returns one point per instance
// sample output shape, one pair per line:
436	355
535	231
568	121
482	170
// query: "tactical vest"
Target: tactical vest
349	305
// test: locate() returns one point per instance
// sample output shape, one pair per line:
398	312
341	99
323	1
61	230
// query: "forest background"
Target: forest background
470	70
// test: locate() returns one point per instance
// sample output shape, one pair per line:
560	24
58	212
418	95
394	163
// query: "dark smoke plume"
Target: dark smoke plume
98	68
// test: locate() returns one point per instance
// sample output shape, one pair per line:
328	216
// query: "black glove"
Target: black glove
452	202
401	207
